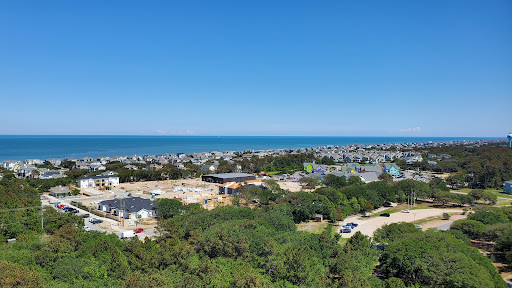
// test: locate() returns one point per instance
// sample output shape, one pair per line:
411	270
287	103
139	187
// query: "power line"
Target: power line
25	208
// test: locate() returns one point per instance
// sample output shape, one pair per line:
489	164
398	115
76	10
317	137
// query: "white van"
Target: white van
127	234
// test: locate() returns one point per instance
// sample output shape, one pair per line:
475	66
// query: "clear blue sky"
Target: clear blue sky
340	68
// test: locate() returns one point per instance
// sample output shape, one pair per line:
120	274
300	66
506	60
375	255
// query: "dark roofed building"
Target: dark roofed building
129	208
228	177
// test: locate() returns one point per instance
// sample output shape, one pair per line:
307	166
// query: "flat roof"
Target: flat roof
228	175
99	177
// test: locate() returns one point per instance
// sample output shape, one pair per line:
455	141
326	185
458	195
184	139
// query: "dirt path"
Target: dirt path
368	226
436	223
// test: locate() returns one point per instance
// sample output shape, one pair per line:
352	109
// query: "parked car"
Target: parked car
346	230
405	211
418	227
353	224
86	228
388	204
385	214
138	230
85	215
95	221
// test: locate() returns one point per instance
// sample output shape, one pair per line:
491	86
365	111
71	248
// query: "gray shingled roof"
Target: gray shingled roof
132	204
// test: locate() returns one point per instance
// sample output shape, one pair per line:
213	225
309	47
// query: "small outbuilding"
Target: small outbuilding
60	191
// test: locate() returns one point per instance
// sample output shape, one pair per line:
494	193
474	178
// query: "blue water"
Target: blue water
44	147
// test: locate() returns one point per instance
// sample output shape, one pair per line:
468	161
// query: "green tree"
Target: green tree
386	178
472	228
436	259
168	208
331	180
394	231
14	275
456	181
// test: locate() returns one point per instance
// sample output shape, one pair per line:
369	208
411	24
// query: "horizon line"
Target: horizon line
159	135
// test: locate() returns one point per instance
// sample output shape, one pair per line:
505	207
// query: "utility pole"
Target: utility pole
42	223
121	206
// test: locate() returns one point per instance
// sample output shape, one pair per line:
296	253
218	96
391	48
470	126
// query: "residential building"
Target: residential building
129	208
97	181
209	167
60	191
10	164
507	187
314	168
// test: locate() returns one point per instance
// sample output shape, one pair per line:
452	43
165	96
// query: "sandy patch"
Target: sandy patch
312	226
291	186
367	227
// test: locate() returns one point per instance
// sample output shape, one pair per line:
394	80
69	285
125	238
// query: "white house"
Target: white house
97	181
10	164
54	161
33	162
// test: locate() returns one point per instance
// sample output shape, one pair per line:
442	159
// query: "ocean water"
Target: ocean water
14	147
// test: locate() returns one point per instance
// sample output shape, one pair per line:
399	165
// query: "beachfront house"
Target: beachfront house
33	162
10	164
54	161
129	208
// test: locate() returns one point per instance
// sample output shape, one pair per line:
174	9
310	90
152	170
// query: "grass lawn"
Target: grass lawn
274	173
401	207
502	202
498	193
343	241
312	226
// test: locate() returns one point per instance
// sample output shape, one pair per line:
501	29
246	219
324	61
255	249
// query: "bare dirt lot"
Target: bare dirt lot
291	186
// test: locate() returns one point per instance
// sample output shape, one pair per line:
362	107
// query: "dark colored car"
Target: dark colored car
138	230
385	214
85	215
353	224
96	221
387	204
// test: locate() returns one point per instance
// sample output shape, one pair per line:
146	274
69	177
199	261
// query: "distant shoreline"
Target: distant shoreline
19	147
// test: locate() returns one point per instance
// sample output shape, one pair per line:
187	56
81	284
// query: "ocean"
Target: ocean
14	147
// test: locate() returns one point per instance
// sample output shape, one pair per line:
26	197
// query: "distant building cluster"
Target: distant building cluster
53	168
